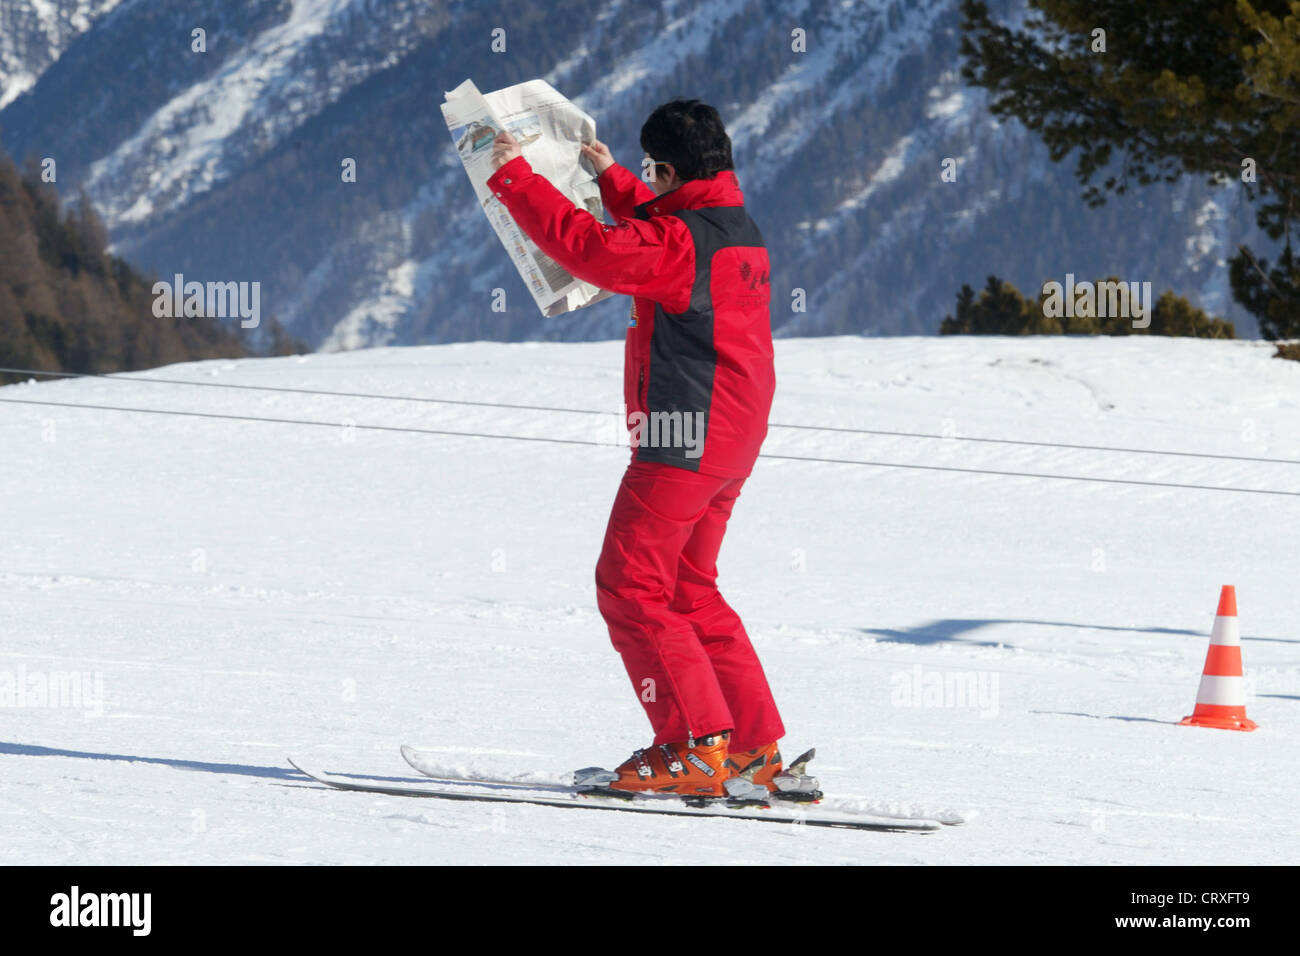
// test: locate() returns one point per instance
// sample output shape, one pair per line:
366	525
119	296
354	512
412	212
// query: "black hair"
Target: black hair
689	134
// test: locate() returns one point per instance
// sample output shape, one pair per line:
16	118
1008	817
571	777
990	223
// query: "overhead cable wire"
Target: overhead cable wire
577	441
590	411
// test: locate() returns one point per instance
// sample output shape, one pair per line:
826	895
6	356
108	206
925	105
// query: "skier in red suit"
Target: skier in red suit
698	385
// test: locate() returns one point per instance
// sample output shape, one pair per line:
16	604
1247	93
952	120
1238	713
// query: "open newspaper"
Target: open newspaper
549	129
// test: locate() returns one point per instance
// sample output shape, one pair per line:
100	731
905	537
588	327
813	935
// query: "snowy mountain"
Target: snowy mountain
224	593
34	33
225	164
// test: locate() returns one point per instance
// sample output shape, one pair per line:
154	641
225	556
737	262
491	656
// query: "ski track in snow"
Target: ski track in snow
245	591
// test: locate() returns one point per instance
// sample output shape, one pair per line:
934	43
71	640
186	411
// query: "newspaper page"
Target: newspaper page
549	130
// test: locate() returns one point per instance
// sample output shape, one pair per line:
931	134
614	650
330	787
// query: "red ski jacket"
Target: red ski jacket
698	355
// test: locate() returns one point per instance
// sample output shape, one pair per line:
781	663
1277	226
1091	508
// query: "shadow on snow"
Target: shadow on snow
956	629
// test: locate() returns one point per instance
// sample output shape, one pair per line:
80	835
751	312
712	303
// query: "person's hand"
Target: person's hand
599	154
504	148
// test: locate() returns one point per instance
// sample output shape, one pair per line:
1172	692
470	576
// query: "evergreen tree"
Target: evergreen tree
1000	309
1207	87
67	305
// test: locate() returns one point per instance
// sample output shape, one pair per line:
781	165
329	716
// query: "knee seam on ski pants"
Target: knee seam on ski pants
663	517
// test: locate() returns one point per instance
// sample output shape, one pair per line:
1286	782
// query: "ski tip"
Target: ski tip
308	769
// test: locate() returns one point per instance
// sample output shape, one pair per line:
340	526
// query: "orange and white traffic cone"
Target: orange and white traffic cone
1221	698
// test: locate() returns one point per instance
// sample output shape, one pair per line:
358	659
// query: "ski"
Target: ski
427	764
591	779
488	792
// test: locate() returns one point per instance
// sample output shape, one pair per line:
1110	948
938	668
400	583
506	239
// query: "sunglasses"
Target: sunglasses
657	166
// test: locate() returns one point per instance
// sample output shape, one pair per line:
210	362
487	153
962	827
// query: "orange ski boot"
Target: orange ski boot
758	766
759	772
693	768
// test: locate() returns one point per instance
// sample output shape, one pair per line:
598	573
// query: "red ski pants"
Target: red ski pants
686	651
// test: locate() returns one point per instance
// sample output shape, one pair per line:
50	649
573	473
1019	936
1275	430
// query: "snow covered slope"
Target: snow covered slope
242	591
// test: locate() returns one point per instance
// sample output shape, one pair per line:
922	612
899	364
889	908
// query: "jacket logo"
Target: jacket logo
631	322
753	278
